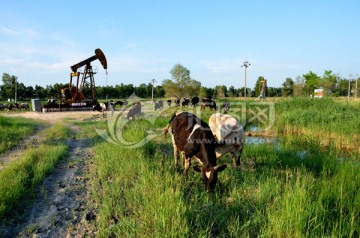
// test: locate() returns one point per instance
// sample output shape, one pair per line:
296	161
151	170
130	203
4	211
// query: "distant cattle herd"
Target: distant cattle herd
193	102
14	106
135	109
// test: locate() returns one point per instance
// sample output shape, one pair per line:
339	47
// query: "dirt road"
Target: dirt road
60	207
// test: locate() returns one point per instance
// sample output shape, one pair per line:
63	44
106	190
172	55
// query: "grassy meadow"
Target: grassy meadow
306	185
21	177
332	121
13	130
300	188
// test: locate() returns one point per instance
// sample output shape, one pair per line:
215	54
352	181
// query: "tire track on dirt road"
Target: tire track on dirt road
59	208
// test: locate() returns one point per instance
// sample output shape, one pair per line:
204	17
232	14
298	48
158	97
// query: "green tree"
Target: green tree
312	81
341	87
181	84
20	91
232	92
258	86
274	92
288	87
328	82
8	87
141	90
299	86
221	91
202	92
39	92
29	92
159	92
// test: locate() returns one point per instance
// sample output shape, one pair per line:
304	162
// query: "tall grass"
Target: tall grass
288	194
326	118
13	130
131	191
20	178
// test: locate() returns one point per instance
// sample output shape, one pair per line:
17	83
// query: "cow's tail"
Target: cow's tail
166	129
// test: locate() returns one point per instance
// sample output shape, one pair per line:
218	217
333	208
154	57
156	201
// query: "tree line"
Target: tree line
182	85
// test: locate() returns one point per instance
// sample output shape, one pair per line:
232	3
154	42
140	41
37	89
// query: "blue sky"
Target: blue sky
142	40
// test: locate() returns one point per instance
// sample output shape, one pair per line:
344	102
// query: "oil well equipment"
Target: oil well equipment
81	92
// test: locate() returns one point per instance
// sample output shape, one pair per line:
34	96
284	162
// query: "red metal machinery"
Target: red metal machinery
84	93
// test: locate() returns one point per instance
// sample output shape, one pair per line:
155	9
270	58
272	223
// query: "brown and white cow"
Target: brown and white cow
193	137
229	134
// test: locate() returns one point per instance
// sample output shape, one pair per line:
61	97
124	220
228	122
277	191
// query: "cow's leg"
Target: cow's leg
237	157
187	165
183	158
176	153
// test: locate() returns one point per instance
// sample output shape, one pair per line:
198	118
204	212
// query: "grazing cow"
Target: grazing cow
11	107
169	102
99	107
208	102
1	107
185	102
104	106
229	134
24	106
120	103
158	105
177	101
193	137
194	101
225	106
135	110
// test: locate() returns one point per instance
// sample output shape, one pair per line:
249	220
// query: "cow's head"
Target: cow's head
209	175
97	107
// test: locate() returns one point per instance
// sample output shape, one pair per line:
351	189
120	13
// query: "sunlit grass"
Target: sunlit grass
13	130
296	189
328	119
20	178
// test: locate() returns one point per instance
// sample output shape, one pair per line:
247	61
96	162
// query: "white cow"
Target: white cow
230	136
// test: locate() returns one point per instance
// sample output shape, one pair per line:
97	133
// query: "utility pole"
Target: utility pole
15	89
245	65
152	90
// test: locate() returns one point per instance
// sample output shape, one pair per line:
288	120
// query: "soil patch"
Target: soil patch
59	208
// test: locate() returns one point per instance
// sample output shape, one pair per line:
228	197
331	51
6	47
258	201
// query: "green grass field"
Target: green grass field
20	178
304	186
299	188
13	130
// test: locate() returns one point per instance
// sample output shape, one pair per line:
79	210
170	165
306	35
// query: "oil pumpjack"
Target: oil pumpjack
84	94
81	95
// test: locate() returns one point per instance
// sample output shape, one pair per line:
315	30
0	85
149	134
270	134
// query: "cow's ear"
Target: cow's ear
219	168
197	168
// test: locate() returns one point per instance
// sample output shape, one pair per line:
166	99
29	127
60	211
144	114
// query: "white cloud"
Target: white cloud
8	31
